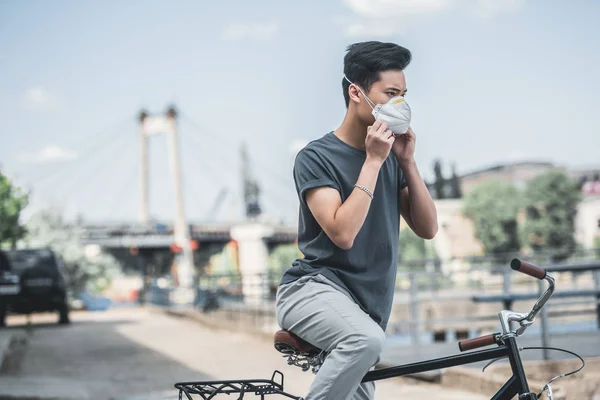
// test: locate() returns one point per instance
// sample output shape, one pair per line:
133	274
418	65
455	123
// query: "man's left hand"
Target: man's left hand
404	147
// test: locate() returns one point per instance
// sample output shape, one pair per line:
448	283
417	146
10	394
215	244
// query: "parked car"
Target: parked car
9	282
33	280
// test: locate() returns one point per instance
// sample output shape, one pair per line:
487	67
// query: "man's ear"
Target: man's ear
354	93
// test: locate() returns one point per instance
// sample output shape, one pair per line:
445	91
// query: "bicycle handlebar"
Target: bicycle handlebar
528	269
508	316
477	342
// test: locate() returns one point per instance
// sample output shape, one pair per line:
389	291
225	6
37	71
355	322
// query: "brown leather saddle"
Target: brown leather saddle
288	343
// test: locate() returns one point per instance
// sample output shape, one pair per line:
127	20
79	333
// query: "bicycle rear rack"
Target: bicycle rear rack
210	389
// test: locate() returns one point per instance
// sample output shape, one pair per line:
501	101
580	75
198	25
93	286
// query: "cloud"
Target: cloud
369	27
379	18
362	29
253	31
389	8
488	8
39	98
49	154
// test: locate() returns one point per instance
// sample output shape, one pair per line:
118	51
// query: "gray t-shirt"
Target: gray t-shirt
368	269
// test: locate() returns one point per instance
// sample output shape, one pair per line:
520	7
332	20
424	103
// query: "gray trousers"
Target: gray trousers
323	314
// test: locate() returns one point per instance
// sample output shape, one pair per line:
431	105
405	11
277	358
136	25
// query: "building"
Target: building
587	222
456	235
516	173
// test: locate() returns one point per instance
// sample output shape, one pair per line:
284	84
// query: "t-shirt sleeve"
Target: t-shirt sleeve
311	172
401	179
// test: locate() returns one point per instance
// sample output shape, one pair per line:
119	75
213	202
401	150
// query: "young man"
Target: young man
352	192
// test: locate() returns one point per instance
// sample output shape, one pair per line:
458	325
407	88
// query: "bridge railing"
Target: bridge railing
245	301
431	303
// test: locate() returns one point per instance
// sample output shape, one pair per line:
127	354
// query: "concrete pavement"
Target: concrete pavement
12	342
135	354
140	354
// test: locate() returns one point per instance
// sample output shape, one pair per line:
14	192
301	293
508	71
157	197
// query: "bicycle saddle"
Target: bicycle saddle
287	342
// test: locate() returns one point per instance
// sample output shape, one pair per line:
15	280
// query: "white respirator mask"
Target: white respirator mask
395	113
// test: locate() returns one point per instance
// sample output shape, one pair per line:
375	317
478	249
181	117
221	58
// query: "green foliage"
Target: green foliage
597	242
456	190
550	202
445	188
414	248
439	180
224	263
91	271
493	207
283	256
12	202
411	246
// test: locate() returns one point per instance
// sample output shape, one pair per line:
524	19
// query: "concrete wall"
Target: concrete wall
587	221
456	234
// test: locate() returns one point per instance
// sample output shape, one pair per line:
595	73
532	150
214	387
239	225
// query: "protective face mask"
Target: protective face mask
396	112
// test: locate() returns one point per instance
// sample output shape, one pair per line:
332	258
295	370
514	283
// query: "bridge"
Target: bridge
152	249
158	248
163	237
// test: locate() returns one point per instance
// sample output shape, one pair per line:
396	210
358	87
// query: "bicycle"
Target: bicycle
304	355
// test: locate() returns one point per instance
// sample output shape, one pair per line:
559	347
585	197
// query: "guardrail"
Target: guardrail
249	299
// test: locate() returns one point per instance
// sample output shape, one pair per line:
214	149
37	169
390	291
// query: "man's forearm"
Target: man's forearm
351	215
422	208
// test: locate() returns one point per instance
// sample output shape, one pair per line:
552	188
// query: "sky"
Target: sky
491	81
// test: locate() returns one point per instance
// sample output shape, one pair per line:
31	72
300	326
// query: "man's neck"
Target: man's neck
352	131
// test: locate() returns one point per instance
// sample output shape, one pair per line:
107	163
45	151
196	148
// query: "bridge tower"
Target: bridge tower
250	187
167	124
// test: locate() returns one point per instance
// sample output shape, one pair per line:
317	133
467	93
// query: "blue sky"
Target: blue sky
491	81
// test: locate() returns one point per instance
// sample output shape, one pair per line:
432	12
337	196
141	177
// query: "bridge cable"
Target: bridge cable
102	138
275	191
271	169
94	162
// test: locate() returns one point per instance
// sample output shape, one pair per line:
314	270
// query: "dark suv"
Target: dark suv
32	280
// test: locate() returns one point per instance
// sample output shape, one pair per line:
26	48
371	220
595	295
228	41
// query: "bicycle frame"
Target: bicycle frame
516	385
506	348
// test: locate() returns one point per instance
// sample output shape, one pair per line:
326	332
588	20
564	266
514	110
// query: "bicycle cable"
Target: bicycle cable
491	362
561	375
556	377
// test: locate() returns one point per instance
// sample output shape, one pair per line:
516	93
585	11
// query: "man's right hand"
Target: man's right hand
379	141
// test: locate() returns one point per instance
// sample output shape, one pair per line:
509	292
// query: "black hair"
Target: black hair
365	60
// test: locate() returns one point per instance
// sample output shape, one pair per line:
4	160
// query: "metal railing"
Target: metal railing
432	302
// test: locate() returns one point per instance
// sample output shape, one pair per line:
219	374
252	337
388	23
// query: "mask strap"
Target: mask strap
371	104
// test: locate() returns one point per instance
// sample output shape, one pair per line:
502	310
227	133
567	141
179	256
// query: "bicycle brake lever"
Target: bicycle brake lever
549	391
524	324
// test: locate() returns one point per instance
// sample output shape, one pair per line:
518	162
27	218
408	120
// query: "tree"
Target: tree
456	191
414	248
439	182
87	270
225	262
493	207
550	203
12	201
283	256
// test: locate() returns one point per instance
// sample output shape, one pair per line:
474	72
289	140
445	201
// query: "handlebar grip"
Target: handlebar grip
528	269
475	343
